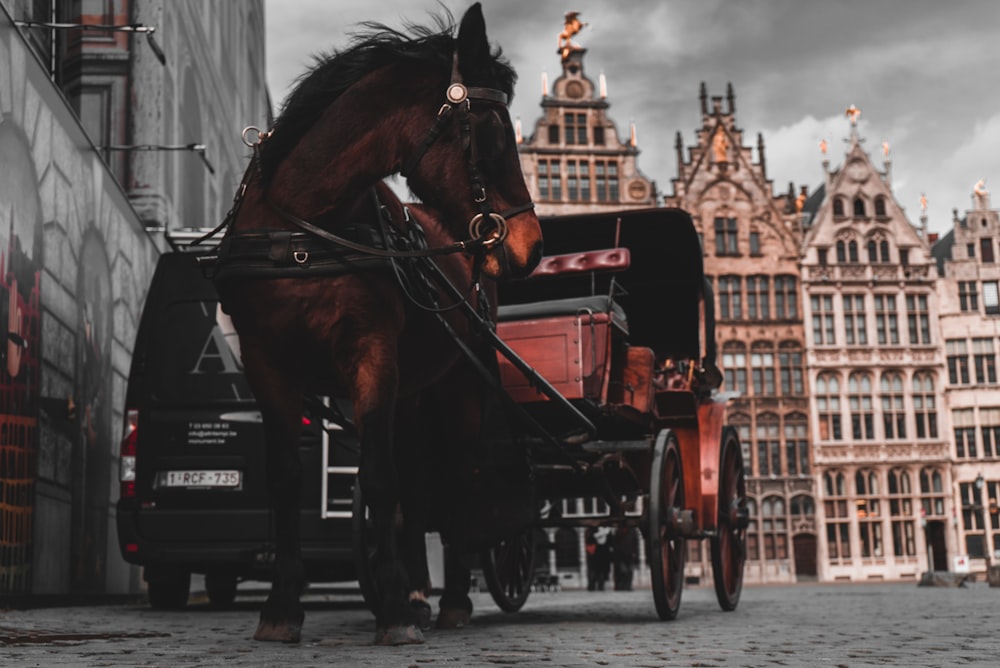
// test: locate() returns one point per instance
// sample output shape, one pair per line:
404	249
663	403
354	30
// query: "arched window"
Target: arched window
880	206
852	251
838	542
775	528
893	415
883	251
924	405
859	389
904	543
869	513
872	251
932	492
841	252
803	507
828	405
838	207
859	207
797	444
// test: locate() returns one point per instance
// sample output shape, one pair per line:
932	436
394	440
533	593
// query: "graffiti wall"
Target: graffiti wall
75	263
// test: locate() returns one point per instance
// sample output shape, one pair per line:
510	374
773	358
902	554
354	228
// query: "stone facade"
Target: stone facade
574	161
970	327
875	369
750	239
81	222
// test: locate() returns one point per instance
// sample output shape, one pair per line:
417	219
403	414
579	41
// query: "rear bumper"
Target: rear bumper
235	541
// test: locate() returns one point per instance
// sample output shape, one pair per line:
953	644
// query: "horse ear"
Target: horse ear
473	47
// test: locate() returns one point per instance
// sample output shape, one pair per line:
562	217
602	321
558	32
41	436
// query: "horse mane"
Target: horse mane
374	47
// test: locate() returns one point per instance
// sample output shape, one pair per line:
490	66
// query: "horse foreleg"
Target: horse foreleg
280	401
410	444
395	621
456	606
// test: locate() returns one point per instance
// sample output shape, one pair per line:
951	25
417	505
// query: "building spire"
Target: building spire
730	98
703	96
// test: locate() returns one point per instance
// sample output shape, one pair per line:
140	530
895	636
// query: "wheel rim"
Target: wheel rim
667	545
509	567
729	547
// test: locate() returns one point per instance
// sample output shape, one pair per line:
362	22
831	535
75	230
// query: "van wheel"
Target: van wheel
221	588
167	587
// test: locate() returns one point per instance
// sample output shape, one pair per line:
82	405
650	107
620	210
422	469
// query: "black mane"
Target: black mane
375	47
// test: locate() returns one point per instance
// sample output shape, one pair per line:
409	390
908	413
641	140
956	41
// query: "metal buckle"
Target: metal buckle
300	256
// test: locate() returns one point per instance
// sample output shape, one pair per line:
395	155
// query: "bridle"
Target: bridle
486	229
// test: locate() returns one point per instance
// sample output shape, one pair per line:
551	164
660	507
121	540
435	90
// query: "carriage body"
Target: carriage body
618	318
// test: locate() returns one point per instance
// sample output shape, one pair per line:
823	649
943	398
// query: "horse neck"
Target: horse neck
358	141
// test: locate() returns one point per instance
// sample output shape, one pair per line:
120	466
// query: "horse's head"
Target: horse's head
465	163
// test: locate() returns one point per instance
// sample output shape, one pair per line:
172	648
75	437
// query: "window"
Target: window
989	418
872	252
775	527
904	542
583	176
797	445
932	493
924	405
918	319
768	446
803	508
725	236
606	178
985	360
854	320
964	422
838	543
991	298
599	135
758	289
886	320
841	252
821	256
734	361
893	413
828	405
754	243
790	368
549	181
880	207
972	519
762	373
576	128
859	398
730	293
838	208
986	250
970	250
572	186
869	512
786	300
859	207
822	319
904	257
852	251
753	538
968	296
553	134
956	351
883	251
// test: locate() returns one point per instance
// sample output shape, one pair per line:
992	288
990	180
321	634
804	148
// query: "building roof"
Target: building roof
941	250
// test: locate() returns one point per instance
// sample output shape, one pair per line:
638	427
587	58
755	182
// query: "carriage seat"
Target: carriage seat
571	306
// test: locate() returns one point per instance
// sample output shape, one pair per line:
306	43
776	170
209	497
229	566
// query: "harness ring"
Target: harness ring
300	256
497	235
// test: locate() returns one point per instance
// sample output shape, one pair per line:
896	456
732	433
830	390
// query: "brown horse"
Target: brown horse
432	106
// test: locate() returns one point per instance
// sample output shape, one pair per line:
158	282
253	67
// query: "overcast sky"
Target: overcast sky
924	73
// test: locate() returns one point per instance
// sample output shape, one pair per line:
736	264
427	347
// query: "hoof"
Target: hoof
422	610
398	635
272	632
453	618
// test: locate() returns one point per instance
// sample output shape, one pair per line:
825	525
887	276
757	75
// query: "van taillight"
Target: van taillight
127	461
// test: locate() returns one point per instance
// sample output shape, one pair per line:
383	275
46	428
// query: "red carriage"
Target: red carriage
609	348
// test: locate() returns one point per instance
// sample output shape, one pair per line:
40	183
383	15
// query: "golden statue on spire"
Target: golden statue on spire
572	27
853	113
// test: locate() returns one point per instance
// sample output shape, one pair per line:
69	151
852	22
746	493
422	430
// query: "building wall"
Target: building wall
750	239
81	226
970	329
875	370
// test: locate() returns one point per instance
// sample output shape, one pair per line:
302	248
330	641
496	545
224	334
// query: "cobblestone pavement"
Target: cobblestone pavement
802	625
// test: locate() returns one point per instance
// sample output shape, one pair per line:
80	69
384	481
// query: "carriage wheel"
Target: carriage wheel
666	543
508	568
362	539
729	545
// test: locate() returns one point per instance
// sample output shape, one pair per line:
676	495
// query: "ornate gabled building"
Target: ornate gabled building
969	264
875	368
750	239
574	161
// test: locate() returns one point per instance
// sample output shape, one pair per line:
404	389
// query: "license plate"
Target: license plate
228	479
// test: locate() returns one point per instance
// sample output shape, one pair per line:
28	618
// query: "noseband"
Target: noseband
458	105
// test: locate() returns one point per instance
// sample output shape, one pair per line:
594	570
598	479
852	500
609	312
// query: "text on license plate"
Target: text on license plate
201	479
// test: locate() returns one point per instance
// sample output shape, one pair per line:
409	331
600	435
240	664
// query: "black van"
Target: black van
193	487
